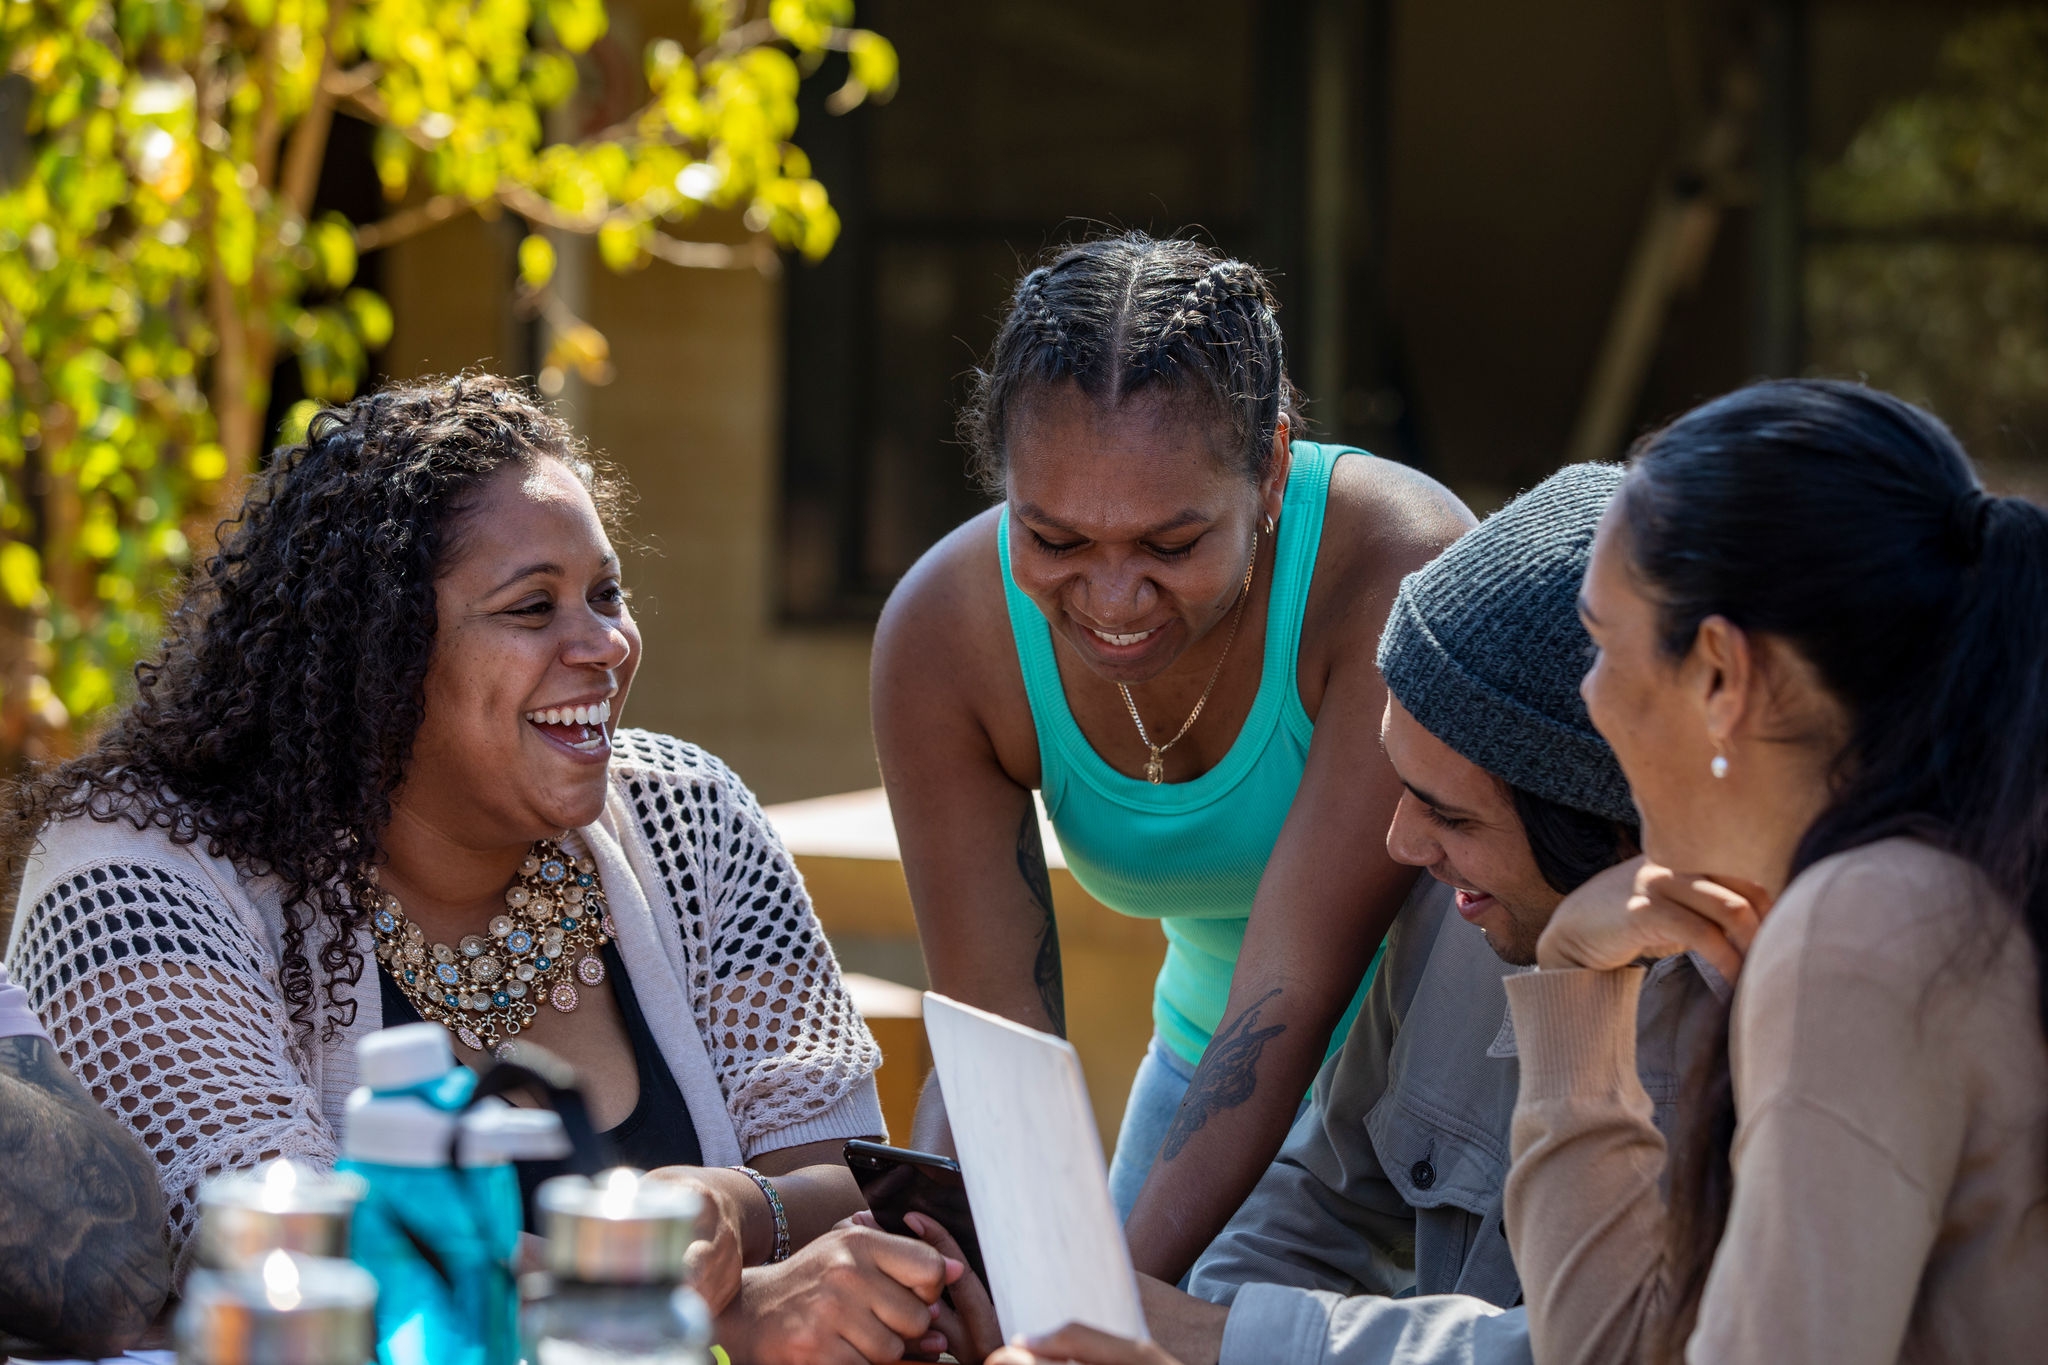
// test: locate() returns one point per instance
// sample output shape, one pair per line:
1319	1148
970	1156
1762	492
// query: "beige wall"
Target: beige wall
692	419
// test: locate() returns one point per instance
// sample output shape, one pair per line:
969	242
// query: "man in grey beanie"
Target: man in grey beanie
1376	1235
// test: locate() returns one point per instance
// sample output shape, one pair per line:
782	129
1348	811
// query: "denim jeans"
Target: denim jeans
1156	1093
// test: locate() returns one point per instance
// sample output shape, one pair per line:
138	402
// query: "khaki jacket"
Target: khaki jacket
1376	1235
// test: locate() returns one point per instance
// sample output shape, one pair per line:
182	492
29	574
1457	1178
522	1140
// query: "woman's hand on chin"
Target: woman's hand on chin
1638	910
853	1296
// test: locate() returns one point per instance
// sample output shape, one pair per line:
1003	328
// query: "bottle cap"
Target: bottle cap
286	1309
281	1205
619	1228
494	1131
395	1130
403	1057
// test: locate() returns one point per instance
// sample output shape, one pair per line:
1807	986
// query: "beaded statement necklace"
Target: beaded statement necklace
489	987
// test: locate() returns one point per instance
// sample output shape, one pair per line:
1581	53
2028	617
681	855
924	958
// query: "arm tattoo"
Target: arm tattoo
1228	1075
1045	967
83	1265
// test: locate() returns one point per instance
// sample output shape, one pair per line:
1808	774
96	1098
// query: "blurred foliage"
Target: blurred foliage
159	254
1932	275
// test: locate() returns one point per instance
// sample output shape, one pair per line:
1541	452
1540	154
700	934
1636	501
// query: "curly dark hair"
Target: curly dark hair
277	717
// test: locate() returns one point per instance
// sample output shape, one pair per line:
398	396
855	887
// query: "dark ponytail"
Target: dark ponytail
1851	524
1131	313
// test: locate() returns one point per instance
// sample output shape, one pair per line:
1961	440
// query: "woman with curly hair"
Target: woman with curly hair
375	774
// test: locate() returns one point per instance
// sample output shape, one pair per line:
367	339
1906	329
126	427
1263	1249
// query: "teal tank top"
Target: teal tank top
1188	854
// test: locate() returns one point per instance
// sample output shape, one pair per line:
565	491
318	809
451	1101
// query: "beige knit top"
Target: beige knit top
1891	1158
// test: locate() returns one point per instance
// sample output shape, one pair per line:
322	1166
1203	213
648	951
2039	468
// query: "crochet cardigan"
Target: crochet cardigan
155	968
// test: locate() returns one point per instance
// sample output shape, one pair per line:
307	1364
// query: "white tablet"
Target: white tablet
1026	1138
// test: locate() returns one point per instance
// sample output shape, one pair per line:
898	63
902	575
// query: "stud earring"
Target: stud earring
1719	766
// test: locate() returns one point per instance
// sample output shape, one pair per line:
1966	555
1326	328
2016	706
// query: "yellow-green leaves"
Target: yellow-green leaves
160	261
536	261
333	244
21	573
577	23
873	59
370	316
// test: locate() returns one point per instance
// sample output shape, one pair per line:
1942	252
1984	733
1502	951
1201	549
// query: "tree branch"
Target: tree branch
754	254
307	148
410	222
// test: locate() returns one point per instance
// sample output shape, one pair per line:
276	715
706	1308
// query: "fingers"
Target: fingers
1709	898
952	1333
1088	1346
935	1236
1663	926
969	1322
919	1268
1760	899
878	1339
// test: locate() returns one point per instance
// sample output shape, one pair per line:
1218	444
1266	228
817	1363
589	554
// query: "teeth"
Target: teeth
573	715
1122	639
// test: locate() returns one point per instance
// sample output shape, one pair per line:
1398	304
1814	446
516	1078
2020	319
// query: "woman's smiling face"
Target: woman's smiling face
533	654
1130	528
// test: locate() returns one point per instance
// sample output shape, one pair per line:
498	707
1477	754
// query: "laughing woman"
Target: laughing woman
383	726
1168	628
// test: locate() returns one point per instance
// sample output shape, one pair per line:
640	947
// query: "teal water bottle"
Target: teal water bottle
440	1218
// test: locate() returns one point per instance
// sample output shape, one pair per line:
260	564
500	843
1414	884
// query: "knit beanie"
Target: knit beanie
1484	646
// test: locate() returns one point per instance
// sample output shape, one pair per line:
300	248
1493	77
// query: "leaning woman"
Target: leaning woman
1167	626
382	729
1823	664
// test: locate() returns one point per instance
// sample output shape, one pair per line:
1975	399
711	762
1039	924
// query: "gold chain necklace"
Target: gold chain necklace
487	986
1155	766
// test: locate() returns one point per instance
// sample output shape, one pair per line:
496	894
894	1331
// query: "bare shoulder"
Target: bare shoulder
1383	521
1385	517
946	619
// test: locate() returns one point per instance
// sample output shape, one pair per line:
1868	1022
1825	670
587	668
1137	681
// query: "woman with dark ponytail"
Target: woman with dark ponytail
1823	664
1168	627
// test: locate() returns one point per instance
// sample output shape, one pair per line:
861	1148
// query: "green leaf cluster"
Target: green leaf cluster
158	254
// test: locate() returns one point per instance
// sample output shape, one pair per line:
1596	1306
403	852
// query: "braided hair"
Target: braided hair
1132	313
276	719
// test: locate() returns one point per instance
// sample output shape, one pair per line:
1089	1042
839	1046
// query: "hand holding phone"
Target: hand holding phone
896	1181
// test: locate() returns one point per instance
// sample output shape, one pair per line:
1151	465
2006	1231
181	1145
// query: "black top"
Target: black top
659	1131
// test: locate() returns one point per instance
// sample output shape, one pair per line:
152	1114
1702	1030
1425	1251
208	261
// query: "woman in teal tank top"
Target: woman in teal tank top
1168	627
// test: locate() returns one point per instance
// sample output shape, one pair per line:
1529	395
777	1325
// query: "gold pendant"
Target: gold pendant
1155	769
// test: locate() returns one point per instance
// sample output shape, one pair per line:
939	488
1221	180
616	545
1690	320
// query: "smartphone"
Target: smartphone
896	1181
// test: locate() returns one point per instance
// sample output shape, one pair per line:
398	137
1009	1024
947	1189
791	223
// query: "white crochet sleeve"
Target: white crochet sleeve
793	1057
166	1008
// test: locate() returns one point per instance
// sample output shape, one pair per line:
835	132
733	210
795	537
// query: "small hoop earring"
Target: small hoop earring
1269	526
1719	766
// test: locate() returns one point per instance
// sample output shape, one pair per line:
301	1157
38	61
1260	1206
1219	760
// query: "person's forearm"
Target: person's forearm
814	1198
1585	1213
1188	1329
83	1265
1232	1121
930	1129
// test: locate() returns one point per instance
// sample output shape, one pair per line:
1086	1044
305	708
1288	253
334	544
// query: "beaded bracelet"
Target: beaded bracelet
781	1252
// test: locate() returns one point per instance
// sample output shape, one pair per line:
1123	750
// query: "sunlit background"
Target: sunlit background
754	247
